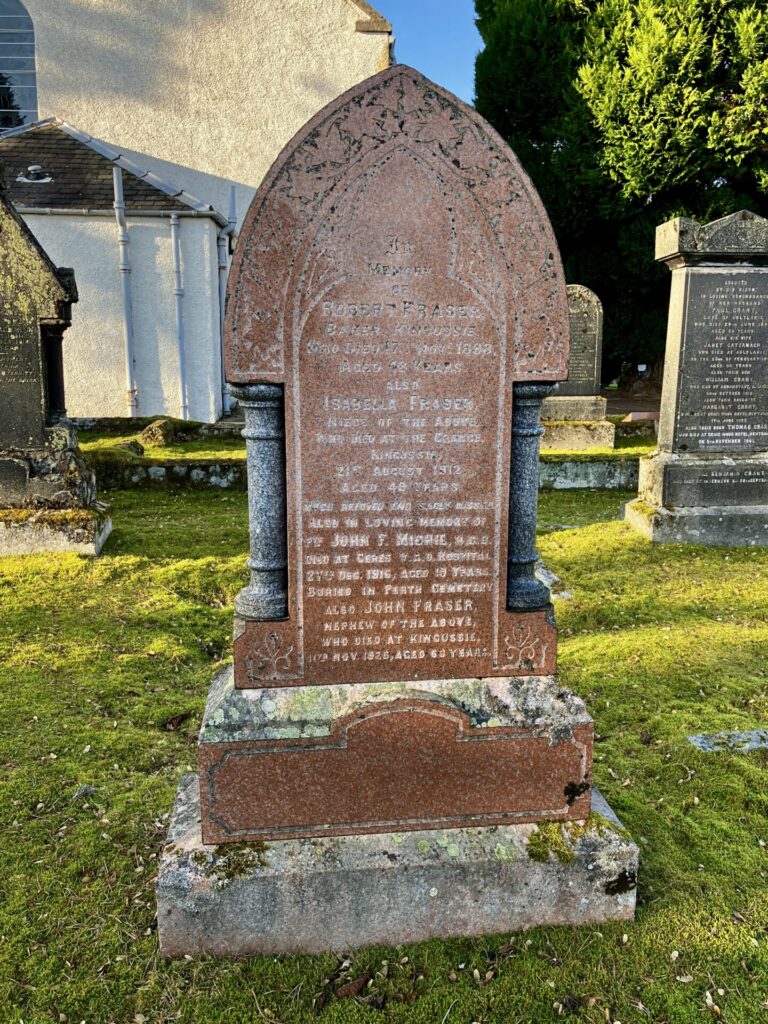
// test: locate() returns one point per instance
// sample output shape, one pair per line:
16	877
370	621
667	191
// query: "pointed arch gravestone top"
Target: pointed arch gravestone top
396	276
396	315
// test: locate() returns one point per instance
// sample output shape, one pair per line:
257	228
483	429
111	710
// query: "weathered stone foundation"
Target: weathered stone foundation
734	526
341	893
36	531
576	423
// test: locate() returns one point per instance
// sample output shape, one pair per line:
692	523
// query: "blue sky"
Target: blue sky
438	38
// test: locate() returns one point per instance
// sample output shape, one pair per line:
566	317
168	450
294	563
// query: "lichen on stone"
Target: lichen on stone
559	839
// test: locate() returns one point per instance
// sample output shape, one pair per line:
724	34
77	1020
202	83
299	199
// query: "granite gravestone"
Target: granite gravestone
41	472
574	418
707	483
396	313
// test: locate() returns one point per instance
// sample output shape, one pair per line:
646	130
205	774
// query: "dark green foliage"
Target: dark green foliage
626	113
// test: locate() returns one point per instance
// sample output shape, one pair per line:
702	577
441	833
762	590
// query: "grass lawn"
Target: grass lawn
204	448
101	662
211	448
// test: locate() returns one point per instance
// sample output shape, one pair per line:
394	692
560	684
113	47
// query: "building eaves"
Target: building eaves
374	22
82	182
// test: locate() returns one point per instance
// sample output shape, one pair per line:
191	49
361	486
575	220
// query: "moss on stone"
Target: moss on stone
642	508
598	455
238	860
83	518
560	838
549	840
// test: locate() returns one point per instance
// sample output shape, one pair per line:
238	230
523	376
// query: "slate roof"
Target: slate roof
80	168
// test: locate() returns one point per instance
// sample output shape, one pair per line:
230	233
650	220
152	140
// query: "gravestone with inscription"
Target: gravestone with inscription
392	727
46	490
574	417
707	483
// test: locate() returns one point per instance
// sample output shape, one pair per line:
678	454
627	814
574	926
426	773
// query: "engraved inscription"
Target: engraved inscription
403	421
334	152
397	275
723	387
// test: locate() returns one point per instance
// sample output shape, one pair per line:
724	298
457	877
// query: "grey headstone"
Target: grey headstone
584	362
715	398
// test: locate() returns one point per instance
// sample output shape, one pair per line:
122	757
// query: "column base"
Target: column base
339	893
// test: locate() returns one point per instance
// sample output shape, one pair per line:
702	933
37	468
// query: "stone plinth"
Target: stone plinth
35	531
568	428
445	753
734	526
574	408
708	481
341	893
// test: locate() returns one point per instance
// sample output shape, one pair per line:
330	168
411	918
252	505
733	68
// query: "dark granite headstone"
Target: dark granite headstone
720	403
708	481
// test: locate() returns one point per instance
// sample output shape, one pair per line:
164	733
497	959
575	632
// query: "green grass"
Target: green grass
205	448
213	448
98	657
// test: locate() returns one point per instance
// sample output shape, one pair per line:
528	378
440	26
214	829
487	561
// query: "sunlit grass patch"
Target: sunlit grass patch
105	666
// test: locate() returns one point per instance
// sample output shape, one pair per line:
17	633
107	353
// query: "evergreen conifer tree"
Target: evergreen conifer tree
627	113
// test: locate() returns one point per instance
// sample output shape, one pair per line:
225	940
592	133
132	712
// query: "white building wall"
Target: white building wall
94	365
205	94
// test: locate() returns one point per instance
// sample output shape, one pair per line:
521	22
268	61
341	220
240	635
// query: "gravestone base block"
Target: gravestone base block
572	436
716	500
578	408
40	531
335	894
713	526
576	423
294	762
675	479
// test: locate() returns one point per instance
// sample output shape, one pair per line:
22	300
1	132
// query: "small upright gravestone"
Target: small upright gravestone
574	418
392	729
46	490
707	483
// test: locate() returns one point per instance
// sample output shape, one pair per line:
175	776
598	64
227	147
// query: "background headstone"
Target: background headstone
708	481
394	321
585	314
40	465
574	418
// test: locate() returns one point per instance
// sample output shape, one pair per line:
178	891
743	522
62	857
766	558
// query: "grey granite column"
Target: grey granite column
524	591
266	596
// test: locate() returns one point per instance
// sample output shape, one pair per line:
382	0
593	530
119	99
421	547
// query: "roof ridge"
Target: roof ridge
22	129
